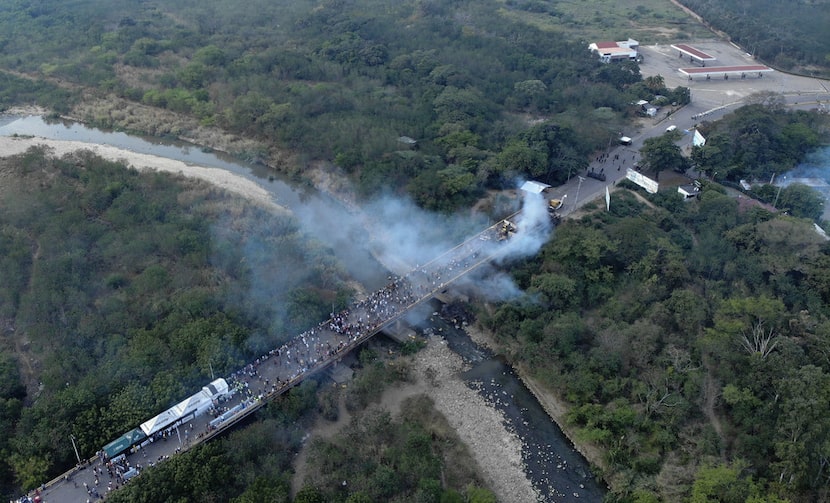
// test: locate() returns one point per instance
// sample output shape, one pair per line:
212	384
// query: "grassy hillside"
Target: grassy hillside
649	22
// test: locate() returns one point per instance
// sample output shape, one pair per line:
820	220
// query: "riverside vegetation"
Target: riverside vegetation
121	289
336	82
689	339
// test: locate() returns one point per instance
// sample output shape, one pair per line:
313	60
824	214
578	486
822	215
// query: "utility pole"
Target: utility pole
576	200
774	203
72	438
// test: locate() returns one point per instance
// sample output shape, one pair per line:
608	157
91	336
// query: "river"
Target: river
312	208
556	470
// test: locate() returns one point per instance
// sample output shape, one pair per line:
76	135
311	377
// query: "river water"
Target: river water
557	471
311	207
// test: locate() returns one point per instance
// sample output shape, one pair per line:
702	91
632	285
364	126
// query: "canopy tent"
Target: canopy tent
534	186
216	388
159	422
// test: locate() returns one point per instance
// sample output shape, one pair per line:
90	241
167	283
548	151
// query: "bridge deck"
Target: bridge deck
282	368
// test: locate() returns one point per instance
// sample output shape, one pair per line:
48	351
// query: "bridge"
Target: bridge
241	394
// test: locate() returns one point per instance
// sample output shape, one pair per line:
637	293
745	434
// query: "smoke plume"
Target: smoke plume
403	237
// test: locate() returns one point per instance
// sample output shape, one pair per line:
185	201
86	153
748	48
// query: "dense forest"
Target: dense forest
758	142
337	82
690	339
122	290
789	35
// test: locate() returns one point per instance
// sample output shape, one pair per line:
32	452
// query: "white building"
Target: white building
615	51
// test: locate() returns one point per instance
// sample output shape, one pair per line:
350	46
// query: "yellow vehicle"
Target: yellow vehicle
554	205
507	229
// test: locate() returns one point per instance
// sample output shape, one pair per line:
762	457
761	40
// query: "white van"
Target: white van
671	128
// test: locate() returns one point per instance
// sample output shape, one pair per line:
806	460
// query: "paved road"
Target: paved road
710	101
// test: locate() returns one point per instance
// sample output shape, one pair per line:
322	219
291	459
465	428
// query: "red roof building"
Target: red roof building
615	51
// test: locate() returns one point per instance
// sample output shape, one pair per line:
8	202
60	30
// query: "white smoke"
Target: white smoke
404	237
533	230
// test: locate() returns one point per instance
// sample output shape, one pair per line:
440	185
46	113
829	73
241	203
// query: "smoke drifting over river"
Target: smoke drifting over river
403	237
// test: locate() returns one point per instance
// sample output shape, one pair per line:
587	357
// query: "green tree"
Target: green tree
265	489
720	484
358	497
210	55
661	153
529	93
802	201
802	436
29	471
309	494
463	106
519	157
655	83
477	494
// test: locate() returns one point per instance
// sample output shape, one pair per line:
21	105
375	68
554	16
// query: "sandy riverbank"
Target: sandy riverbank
436	372
223	179
478	423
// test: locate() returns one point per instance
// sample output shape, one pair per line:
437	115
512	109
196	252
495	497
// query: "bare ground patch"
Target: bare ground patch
436	374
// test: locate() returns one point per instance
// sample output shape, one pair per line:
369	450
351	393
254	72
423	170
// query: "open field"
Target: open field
649	21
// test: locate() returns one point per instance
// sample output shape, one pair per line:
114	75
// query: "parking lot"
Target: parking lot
708	94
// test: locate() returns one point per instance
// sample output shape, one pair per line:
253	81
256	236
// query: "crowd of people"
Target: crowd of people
118	471
281	368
